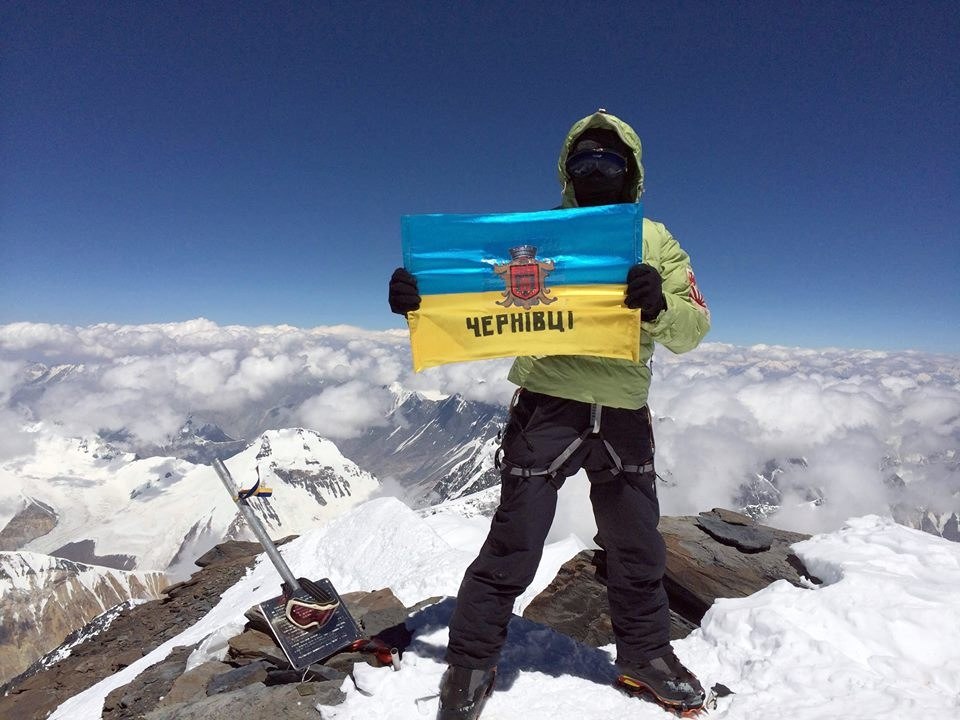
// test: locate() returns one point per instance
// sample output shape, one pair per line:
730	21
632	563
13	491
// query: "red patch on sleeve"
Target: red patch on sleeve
695	293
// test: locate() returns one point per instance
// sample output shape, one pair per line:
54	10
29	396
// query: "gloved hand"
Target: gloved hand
404	295
645	291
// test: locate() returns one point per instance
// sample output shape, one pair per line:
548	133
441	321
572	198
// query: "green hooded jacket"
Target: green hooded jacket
681	327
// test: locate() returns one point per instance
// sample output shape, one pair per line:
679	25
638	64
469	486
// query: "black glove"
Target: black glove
645	291
404	295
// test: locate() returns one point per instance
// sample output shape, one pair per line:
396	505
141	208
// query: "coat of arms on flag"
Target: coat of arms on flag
525	276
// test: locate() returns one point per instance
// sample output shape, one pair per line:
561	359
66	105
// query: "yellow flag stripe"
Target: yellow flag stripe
580	320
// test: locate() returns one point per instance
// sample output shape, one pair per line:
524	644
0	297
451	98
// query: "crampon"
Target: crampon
637	689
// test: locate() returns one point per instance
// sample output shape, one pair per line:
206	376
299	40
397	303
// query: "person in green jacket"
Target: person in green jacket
574	412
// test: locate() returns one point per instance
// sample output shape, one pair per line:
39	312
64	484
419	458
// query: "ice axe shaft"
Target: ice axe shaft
254	523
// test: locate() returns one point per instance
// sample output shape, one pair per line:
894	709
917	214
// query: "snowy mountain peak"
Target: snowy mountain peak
299	448
303	461
401	395
38	373
435	449
94	502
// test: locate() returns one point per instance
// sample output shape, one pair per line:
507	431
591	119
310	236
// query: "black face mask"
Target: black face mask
595	189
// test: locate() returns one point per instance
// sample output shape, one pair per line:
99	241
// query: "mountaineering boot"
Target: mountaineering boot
665	681
463	692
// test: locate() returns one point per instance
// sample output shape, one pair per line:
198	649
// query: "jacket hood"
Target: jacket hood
605	121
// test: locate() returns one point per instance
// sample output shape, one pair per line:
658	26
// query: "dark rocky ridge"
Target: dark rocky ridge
35	519
84	551
575	603
37	692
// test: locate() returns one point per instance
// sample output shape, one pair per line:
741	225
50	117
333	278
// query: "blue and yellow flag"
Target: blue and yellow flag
538	283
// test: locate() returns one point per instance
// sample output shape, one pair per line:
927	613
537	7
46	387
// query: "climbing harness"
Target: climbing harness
592	432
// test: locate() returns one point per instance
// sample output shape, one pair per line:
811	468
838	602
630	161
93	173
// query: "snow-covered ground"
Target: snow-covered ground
879	639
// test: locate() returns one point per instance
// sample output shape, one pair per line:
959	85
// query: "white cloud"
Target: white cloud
724	411
148	378
485	380
14	440
346	410
10	374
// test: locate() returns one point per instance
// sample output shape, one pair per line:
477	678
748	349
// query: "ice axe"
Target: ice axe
302	614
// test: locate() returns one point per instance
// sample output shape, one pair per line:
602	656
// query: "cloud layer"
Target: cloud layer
856	418
147	379
722	412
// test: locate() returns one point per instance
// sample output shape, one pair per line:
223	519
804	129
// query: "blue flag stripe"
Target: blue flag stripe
456	253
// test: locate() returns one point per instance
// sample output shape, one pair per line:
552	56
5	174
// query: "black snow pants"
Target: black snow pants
539	429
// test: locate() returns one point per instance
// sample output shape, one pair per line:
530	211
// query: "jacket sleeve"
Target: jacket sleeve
686	320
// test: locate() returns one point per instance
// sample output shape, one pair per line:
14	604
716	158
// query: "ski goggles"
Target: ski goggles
607	162
313	608
306	614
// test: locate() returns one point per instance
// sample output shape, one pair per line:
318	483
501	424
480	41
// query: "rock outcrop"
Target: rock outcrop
255	679
575	603
720	553
724	554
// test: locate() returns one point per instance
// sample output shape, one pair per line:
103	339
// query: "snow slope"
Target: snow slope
878	640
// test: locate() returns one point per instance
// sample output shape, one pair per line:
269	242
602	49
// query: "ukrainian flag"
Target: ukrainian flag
538	283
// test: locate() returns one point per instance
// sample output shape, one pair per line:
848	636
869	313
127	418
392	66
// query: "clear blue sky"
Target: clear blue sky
249	162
